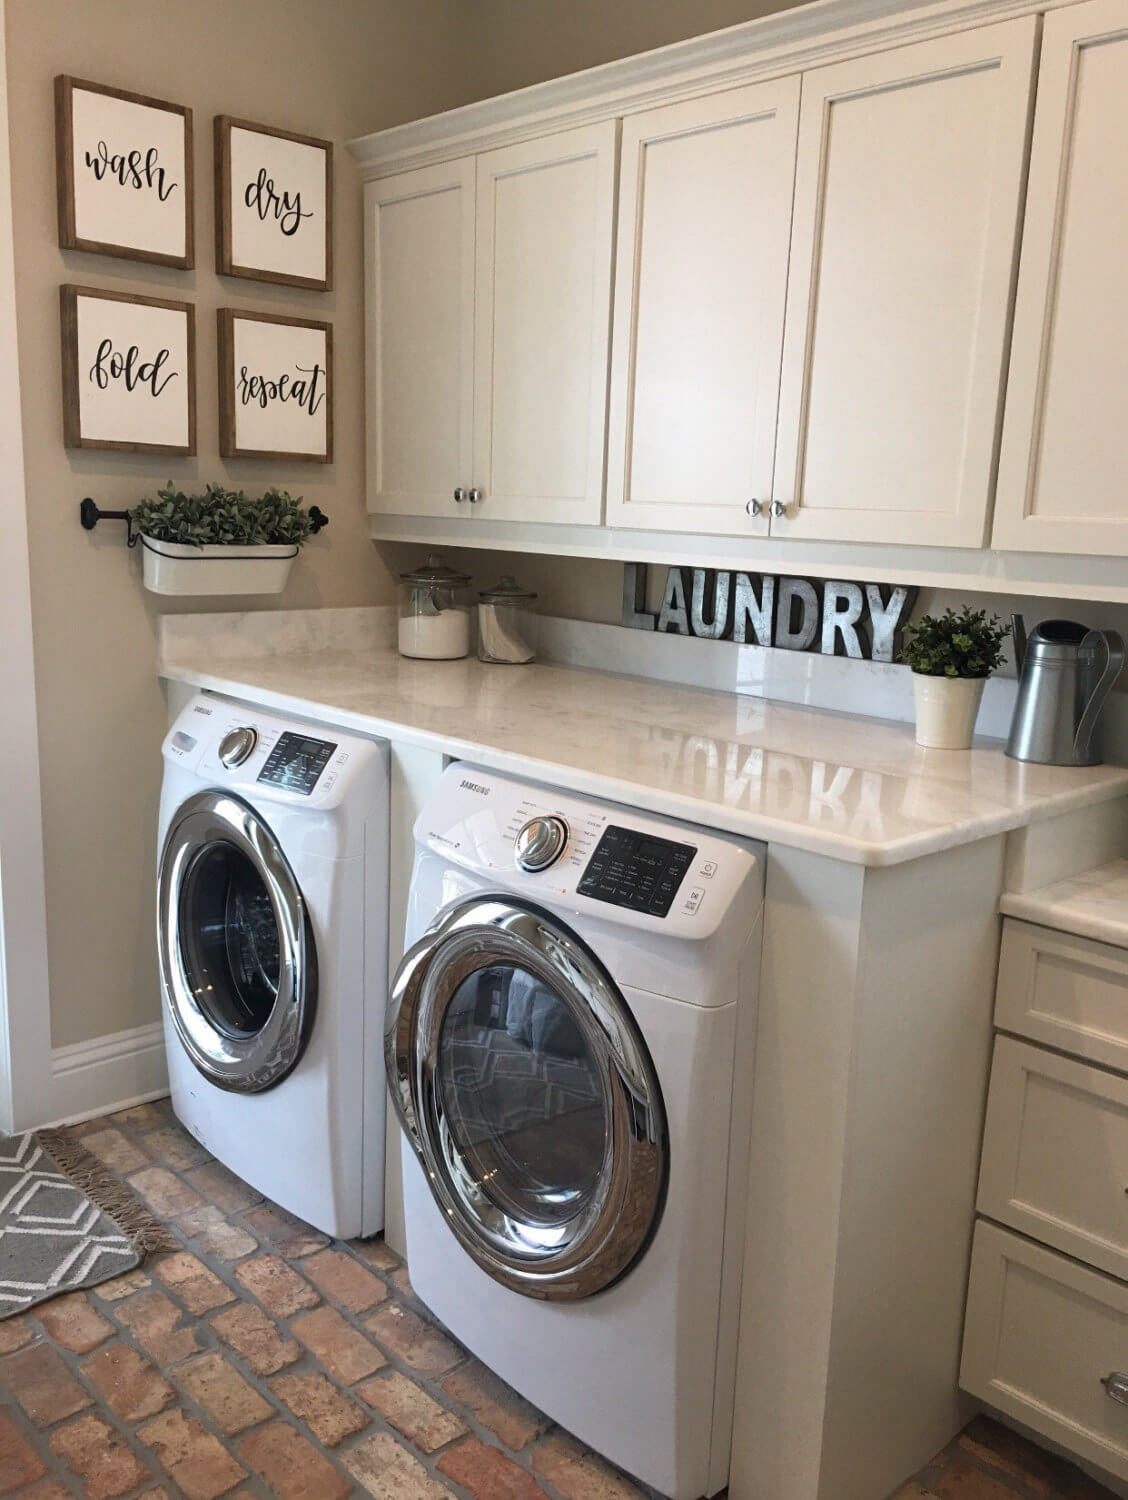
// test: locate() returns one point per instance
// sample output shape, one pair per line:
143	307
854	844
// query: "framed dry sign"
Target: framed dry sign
129	372
274	204
275	387
124	173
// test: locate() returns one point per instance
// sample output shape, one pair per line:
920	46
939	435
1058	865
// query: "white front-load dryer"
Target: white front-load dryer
272	910
569	1047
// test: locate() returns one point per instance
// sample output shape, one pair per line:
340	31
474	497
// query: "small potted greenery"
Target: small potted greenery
951	657
220	542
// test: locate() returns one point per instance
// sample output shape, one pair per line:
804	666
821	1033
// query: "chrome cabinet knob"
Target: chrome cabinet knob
235	746
1116	1387
474	496
753	507
540	843
459	495
777	509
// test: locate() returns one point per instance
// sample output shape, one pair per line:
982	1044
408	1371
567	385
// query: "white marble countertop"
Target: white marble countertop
1093	904
853	788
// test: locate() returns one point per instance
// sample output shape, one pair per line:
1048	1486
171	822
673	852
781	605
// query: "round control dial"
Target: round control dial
235	746
540	843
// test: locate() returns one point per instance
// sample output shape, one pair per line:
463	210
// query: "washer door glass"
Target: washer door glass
238	961
526	1089
230	944
522	1096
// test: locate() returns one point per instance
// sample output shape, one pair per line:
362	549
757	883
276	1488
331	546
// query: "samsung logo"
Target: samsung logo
475	786
200	709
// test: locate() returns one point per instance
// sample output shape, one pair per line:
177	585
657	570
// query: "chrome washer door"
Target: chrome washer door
527	1091
238	961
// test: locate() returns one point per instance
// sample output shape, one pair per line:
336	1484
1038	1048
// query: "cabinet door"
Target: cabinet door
420	310
907	194
545	219
1063	466
700	288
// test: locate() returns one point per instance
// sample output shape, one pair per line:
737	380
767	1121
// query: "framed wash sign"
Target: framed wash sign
129	372
124	173
274	204
275	387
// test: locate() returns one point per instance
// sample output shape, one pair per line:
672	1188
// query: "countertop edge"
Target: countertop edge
749	825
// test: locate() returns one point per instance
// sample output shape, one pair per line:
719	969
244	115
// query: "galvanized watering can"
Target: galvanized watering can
1066	672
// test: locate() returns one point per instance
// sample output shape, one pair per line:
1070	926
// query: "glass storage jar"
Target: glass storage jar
434	622
506	623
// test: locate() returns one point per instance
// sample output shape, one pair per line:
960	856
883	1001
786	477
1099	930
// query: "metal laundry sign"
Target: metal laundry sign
862	620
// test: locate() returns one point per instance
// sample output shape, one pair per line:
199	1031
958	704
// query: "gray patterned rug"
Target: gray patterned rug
55	1232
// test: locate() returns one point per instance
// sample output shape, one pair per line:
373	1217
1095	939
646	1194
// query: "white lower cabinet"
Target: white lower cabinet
1047	1344
1046	1331
1064	451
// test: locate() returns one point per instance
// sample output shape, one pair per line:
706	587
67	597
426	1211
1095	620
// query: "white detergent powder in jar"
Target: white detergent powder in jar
434	622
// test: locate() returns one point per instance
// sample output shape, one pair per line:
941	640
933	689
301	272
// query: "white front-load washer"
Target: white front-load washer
272	911
569	1048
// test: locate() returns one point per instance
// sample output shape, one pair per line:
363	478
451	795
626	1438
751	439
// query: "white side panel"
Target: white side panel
543	300
1064	453
420	312
907	190
700	288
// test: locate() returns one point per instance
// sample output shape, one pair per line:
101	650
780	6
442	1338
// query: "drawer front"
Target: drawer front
1055	1153
1068	992
1042	1334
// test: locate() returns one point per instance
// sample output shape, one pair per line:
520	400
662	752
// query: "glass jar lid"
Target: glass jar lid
506	591
434	573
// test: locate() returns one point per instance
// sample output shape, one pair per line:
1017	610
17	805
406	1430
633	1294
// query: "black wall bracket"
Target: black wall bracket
90	513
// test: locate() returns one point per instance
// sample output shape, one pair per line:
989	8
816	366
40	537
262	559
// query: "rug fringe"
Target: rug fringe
115	1198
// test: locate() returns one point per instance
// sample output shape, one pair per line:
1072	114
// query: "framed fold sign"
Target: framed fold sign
274	204
123	173
275	387
129	372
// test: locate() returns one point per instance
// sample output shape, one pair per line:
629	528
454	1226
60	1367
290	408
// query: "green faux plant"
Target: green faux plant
224	517
967	644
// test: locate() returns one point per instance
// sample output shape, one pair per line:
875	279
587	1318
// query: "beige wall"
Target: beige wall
331	70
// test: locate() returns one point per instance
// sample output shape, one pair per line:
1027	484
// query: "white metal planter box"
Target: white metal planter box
177	568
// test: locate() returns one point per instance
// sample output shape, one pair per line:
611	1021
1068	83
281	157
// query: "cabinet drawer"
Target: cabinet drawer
1055	1153
1042	1334
1068	992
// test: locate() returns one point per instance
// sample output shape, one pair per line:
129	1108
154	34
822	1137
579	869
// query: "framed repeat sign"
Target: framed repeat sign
123	173
129	372
275	387
274	204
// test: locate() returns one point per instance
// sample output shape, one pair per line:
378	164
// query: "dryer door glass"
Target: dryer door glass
526	1089
522	1095
238	960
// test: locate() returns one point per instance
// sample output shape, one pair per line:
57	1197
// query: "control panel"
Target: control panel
296	762
636	870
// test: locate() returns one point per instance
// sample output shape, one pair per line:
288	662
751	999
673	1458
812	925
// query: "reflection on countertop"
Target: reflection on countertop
853	788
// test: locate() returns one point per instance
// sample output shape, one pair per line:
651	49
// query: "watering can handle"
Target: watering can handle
1113	643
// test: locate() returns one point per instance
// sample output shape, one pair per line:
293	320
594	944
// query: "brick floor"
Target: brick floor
262	1361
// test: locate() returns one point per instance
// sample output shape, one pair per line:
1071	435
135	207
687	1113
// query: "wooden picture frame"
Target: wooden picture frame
273	204
124	160
271	387
128	378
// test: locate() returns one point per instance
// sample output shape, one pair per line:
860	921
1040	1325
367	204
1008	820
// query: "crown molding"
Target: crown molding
804	37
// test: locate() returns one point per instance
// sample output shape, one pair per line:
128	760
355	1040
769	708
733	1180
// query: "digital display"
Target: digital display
296	763
636	871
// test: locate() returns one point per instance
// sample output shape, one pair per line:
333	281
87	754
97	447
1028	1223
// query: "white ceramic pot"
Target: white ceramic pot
176	568
946	709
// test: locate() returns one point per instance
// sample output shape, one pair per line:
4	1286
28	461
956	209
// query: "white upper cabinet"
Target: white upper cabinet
420	310
907	194
1063	465
700	289
541	316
